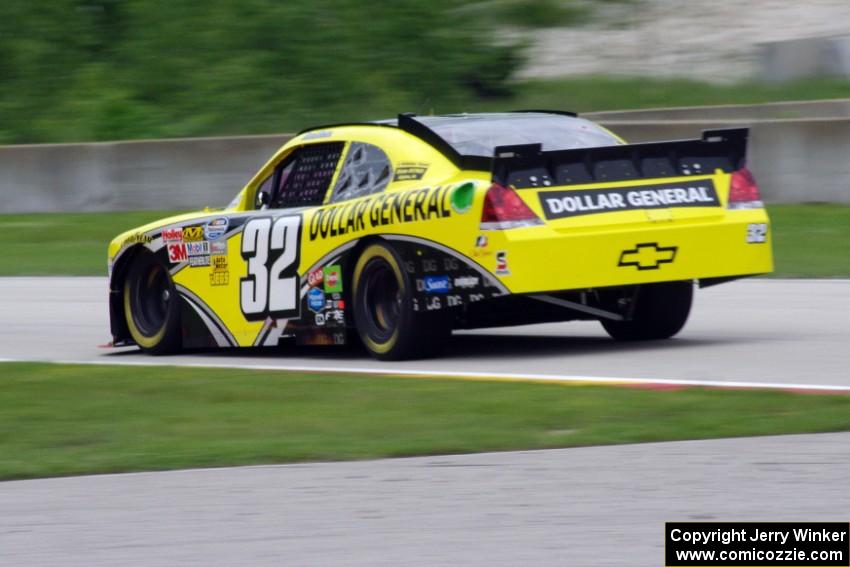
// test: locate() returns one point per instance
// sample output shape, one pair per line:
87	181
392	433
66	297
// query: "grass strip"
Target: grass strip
64	244
74	419
811	240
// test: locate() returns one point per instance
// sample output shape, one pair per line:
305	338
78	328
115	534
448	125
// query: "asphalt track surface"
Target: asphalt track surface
753	331
583	507
586	506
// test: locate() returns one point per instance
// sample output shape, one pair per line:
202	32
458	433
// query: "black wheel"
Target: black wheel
661	311
383	309
151	306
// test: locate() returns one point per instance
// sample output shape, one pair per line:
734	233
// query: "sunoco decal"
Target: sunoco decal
435	284
561	204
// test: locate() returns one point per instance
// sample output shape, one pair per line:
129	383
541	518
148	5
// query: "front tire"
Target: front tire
383	309
660	312
151	306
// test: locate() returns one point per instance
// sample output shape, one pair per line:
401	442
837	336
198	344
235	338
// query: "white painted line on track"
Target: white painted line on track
479	376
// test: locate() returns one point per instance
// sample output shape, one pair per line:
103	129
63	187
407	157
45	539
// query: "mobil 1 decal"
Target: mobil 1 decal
271	248
381	210
691	193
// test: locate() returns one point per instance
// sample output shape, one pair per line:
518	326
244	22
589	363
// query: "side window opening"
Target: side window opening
304	177
265	188
366	170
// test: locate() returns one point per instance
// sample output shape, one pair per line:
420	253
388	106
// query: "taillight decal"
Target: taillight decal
744	191
504	208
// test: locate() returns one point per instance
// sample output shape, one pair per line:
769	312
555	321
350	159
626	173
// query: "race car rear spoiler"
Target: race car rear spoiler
526	166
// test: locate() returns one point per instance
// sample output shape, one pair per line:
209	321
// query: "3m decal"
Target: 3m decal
272	250
333	279
410	171
177	253
757	233
193	234
216	228
648	256
380	210
691	193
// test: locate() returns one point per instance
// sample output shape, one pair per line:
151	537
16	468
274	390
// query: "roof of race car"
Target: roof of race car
470	140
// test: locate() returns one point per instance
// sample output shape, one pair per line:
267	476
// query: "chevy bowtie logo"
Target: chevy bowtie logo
648	256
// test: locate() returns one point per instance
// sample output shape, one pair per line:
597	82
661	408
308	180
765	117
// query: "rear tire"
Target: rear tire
151	306
383	309
660	312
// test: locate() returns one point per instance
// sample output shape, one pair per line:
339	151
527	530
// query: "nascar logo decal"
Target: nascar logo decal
561	204
216	228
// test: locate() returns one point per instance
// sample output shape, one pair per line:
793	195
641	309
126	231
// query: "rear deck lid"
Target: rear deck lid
629	183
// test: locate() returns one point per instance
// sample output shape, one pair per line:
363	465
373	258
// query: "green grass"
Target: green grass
88	73
528	13
809	241
72	244
71	419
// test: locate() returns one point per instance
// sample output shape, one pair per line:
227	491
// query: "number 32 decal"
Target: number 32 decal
272	250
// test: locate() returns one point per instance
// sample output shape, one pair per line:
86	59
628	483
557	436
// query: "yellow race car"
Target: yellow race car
401	230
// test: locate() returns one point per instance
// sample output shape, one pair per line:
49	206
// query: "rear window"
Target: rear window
479	135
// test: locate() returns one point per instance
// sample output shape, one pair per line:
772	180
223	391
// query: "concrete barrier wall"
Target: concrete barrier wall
795	59
805	110
118	176
795	161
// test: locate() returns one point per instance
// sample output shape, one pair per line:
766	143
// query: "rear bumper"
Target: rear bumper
544	259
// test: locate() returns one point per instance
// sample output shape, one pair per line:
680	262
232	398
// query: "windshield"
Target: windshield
480	134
